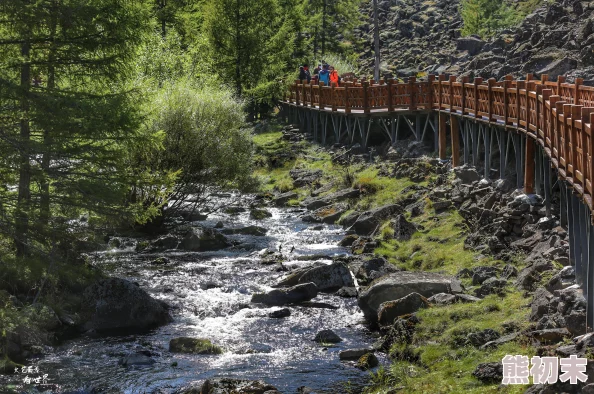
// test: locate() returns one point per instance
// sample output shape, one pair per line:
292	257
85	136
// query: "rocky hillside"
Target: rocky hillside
425	36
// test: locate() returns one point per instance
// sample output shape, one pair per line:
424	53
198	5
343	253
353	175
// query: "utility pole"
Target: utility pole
376	39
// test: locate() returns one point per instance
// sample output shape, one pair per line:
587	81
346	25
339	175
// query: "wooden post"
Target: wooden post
566	139
347	101
297	98
586	149
528	85
576	94
506	84
430	80
491	82
477	82
390	98
311	95
519	86
554	126
576	113
591	150
452	80
539	89
529	167
303	95
320	101
439	90
464	81
560	80
333	97
365	97
413	93
544	78
546	95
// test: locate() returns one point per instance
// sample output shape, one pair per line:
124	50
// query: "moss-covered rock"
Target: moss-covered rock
367	361
193	346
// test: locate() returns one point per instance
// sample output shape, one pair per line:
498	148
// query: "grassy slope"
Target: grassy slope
445	365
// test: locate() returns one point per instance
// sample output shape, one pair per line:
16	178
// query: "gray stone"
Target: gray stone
403	229
291	295
552	335
327	336
471	44
280	313
369	221
479	338
203	239
389	311
400	284
325	277
193	346
489	372
283	199
353	354
115	304
499	341
467	175
136	359
248	230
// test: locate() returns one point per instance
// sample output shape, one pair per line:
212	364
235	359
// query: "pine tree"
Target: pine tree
250	44
68	112
485	17
329	23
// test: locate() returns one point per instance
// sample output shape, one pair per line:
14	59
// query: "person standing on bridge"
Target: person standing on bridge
325	75
334	78
304	73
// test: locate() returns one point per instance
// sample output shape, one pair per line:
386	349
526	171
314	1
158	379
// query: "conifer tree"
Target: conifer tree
68	112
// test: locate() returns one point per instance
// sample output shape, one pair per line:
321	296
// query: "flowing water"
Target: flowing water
210	294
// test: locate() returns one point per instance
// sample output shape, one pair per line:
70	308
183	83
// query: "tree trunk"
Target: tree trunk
324	16
376	39
24	194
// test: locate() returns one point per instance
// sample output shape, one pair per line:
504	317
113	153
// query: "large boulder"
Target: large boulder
325	277
471	44
193	346
327	214
248	230
467	175
369	221
291	295
115	305
372	269
389	311
203	239
400	284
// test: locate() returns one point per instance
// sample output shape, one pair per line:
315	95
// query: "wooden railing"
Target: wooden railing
558	115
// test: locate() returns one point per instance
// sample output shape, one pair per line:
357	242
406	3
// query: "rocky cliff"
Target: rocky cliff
425	37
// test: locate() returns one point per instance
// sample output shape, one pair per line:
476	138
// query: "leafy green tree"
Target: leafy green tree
69	112
485	17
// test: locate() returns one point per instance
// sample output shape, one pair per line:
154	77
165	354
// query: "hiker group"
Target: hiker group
323	73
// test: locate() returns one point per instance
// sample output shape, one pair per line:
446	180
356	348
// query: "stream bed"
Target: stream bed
210	294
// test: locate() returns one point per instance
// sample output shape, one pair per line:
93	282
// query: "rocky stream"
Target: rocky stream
209	296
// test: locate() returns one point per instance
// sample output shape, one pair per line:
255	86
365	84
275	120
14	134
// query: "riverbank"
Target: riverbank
417	216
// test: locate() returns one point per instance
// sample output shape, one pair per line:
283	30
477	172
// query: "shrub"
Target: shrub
205	139
485	17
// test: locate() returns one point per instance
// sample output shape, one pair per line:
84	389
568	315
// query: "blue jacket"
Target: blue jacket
325	77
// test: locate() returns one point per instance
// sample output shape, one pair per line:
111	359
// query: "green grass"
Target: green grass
445	363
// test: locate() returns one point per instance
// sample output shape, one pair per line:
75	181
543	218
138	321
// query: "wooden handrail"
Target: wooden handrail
559	116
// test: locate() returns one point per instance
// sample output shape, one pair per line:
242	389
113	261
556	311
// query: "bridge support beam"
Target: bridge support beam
442	136
455	131
487	141
529	167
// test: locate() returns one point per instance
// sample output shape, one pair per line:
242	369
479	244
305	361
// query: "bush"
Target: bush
205	139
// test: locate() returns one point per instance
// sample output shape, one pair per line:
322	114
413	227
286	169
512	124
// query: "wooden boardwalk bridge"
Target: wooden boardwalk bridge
548	125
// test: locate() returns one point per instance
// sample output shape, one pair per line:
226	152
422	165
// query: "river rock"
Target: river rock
403	229
367	361
203	239
229	385
300	293
400	284
489	372
283	199
259	214
326	277
389	311
327	214
136	359
369	221
280	313
353	354
248	230
347	292
327	336
369	270
113	304
193	346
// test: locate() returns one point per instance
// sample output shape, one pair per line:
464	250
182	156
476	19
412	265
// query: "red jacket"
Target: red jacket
334	77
